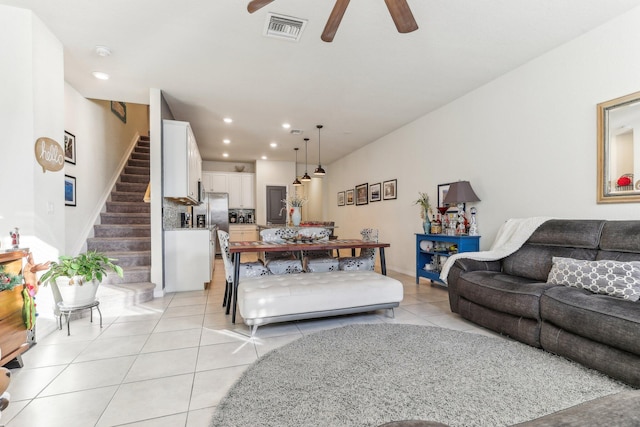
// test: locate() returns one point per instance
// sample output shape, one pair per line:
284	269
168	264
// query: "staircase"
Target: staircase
125	234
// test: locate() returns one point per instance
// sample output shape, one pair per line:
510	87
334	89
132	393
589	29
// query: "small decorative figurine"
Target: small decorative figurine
15	238
473	228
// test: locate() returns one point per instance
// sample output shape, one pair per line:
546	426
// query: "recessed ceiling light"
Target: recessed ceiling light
225	154
264	157
228	120
286	125
226	141
103	51
100	75
273	145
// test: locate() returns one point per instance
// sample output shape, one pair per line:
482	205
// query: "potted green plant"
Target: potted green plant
76	279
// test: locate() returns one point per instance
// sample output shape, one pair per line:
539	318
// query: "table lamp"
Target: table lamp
460	193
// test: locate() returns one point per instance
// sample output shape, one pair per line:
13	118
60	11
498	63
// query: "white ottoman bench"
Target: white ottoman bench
281	298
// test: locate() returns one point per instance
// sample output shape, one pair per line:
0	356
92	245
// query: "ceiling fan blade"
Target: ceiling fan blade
402	16
257	4
334	20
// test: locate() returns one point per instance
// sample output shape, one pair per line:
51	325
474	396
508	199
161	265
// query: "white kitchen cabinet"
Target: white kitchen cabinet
215	182
187	259
240	186
242	190
182	164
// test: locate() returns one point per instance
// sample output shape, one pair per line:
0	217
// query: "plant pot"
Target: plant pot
79	294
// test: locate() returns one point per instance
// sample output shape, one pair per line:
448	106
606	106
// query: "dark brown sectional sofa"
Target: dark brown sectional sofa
511	296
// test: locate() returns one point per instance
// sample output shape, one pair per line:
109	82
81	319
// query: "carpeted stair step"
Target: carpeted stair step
131	274
130	258
123	196
142	150
127	177
128	207
136	170
110	244
136	163
121	230
130	218
140	156
132	187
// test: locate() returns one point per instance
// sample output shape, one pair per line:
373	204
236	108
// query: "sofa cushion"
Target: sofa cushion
568	233
601	318
621	236
534	261
515	295
607	277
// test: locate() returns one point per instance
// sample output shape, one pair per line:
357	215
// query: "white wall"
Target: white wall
526	142
31	200
271	173
103	144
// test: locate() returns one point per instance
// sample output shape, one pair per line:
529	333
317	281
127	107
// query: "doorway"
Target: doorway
276	208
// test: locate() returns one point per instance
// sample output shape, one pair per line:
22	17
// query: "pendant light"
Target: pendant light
319	171
296	182
305	177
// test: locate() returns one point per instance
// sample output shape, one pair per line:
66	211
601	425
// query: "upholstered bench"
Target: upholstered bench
281	298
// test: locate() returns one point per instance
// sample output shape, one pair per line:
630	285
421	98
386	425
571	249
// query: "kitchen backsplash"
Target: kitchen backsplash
171	214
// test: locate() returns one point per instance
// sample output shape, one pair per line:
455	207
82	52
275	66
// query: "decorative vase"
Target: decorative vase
296	216
426	226
76	295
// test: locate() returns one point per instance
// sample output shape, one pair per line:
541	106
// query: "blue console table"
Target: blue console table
436	249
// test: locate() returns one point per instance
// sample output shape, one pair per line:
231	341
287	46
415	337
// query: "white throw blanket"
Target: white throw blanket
510	238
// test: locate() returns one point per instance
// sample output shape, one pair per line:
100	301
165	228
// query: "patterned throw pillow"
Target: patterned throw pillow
615	278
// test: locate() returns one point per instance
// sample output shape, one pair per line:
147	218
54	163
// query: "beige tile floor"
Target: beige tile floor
170	361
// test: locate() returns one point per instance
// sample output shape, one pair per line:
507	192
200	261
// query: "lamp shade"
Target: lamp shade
460	192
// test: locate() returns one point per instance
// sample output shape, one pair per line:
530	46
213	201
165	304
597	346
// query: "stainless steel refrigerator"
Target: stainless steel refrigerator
218	212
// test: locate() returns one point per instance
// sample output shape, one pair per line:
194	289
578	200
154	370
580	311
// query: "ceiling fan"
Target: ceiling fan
399	10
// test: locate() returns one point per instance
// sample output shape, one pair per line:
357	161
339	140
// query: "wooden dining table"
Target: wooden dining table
238	248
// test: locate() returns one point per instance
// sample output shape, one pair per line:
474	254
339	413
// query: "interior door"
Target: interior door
276	208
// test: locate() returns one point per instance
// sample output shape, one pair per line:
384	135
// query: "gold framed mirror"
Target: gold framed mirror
619	150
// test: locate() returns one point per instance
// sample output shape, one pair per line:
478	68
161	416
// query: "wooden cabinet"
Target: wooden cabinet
433	249
188	259
13	332
240	186
243	233
182	164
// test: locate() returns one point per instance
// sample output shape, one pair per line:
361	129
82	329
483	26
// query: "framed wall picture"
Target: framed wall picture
362	194
340	198
349	196
375	192
442	193
69	148
69	190
120	110
389	189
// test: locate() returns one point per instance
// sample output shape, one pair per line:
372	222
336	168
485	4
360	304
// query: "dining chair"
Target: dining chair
366	259
284	262
247	269
318	261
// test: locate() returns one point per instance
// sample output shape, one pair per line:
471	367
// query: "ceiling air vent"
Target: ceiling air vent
296	132
284	27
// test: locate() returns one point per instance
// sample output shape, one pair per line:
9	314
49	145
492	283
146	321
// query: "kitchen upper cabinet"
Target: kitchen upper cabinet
215	182
240	186
181	162
242	191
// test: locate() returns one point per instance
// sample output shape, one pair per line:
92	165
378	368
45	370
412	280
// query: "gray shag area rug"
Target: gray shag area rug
366	375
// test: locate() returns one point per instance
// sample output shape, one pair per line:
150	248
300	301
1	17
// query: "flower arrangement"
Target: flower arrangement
425	205
9	281
295	201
